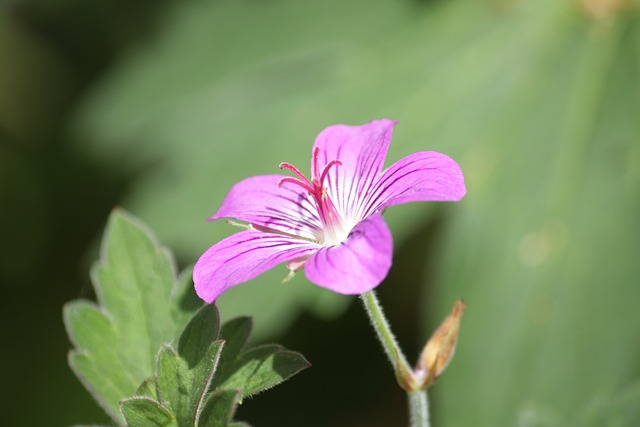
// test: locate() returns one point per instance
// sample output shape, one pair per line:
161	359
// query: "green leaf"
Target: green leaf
141	306
259	368
183	388
235	333
148	388
219	408
173	382
143	412
183	377
196	338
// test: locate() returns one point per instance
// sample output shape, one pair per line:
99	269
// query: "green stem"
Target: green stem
418	403
418	408
383	330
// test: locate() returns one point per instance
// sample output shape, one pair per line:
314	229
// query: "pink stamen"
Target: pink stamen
303	181
327	167
285	165
333	225
304	184
316	154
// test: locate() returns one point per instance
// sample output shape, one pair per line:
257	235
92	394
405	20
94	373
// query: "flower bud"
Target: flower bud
439	350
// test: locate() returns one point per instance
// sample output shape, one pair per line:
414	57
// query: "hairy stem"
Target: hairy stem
418	408
418	403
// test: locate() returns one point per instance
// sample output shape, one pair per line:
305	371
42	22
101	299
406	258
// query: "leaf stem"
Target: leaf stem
418	403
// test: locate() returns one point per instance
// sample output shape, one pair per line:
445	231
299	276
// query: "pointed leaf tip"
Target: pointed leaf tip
260	368
202	330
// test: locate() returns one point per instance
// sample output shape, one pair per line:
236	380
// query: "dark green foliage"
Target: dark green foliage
197	387
141	307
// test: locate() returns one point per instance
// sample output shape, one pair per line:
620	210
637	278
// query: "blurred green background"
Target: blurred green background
160	106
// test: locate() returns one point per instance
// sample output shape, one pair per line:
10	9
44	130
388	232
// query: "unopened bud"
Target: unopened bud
439	350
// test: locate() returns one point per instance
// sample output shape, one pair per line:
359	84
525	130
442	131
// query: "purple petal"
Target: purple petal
424	176
357	265
361	151
243	256
260	201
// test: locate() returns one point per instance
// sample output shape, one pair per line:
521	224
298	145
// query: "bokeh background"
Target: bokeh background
159	106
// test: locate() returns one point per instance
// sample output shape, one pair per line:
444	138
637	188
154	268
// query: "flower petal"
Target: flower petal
243	256
357	265
424	176
259	200
361	151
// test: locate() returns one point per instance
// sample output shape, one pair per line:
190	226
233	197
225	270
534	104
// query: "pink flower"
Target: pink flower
331	225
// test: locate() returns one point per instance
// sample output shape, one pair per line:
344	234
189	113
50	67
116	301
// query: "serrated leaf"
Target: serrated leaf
219	408
141	307
259	368
143	412
184	377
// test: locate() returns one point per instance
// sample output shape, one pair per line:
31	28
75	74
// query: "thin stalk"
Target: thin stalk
418	403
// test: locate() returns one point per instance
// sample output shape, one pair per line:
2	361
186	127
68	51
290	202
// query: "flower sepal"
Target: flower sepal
407	379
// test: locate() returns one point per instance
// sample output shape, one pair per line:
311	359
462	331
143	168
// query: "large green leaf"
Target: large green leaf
141	306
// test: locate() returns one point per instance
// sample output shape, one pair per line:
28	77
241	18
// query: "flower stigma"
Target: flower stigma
333	226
